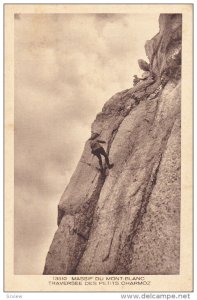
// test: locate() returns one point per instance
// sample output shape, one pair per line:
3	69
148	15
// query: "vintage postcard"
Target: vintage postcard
98	147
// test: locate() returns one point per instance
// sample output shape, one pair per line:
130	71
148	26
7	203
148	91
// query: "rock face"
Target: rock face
127	221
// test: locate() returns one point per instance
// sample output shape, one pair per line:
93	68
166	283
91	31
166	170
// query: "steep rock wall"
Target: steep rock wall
127	221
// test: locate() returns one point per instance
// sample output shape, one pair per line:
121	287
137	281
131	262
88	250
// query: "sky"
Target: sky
66	67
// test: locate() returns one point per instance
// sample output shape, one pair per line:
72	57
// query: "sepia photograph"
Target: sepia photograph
99	153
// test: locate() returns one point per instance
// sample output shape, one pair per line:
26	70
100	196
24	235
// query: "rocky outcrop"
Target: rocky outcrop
127	221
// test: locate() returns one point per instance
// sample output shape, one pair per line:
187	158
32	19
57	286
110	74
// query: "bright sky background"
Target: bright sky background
66	67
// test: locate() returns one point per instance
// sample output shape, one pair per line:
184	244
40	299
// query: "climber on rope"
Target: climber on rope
98	150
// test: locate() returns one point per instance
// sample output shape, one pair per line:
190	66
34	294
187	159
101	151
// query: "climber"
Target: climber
98	150
136	80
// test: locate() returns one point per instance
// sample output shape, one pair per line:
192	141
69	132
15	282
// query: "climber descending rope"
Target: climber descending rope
98	150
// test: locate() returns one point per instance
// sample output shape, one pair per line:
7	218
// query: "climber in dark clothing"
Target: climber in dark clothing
98	150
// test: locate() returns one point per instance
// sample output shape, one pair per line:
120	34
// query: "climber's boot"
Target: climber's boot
110	166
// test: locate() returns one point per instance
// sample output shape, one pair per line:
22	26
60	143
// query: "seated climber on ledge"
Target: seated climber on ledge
136	80
98	150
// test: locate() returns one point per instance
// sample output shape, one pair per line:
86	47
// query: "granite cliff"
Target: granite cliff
127	221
